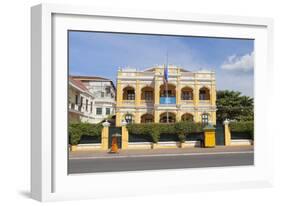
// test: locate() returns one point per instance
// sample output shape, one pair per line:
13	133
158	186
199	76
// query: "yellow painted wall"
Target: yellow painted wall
118	119
157	82
125	137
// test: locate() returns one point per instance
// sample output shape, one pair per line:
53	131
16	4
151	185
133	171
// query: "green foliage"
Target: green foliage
181	137
76	130
75	134
154	130
243	126
231	105
155	134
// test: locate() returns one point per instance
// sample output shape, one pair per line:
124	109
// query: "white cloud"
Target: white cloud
239	63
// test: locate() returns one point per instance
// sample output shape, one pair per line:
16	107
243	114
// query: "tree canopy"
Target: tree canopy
232	105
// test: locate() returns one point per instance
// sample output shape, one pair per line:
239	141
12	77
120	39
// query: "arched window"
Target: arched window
167	117
187	93
204	94
147	118
187	117
129	93
147	94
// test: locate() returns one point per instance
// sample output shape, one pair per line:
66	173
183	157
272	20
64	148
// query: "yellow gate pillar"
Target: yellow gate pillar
227	134
125	135
105	135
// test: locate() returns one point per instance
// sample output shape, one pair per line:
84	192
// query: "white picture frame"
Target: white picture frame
49	179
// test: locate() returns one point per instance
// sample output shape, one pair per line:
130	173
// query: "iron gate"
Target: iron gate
113	130
220	134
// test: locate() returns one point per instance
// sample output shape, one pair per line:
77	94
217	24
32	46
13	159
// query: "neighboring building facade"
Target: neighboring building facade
103	91
80	102
143	97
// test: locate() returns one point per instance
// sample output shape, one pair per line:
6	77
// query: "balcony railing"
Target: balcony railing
167	100
145	101
75	107
128	101
204	101
187	101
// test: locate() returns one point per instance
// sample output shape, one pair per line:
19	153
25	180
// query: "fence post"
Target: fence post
227	134
105	135
125	135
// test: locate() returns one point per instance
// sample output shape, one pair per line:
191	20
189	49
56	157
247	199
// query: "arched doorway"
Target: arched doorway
187	117
147	118
167	117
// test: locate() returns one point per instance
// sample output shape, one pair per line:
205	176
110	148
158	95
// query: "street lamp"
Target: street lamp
124	122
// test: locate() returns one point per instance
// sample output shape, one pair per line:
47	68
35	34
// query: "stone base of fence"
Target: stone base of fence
163	145
241	142
87	147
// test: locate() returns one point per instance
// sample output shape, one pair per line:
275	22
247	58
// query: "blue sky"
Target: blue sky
101	54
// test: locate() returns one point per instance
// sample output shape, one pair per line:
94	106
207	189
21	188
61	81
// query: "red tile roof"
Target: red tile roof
78	84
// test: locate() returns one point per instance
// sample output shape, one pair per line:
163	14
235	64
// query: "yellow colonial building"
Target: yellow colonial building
143	97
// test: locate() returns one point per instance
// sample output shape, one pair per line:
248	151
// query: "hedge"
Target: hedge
77	130
243	127
154	130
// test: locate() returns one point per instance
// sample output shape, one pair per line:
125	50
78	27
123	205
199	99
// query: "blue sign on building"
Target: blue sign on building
167	100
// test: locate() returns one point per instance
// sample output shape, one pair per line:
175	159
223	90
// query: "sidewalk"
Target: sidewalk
159	152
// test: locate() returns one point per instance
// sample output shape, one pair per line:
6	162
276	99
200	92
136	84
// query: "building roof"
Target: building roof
92	78
152	69
78	84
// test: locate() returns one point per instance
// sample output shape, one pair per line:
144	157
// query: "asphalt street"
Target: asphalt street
155	162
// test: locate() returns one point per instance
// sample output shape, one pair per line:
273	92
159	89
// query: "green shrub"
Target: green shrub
155	134
181	137
74	134
76	130
186	127
243	126
154	130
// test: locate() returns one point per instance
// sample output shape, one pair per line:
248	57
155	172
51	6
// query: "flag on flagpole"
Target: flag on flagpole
166	74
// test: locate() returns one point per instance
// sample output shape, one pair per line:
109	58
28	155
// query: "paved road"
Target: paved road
152	162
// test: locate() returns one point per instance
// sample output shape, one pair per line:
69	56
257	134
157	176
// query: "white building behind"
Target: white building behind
103	91
80	103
